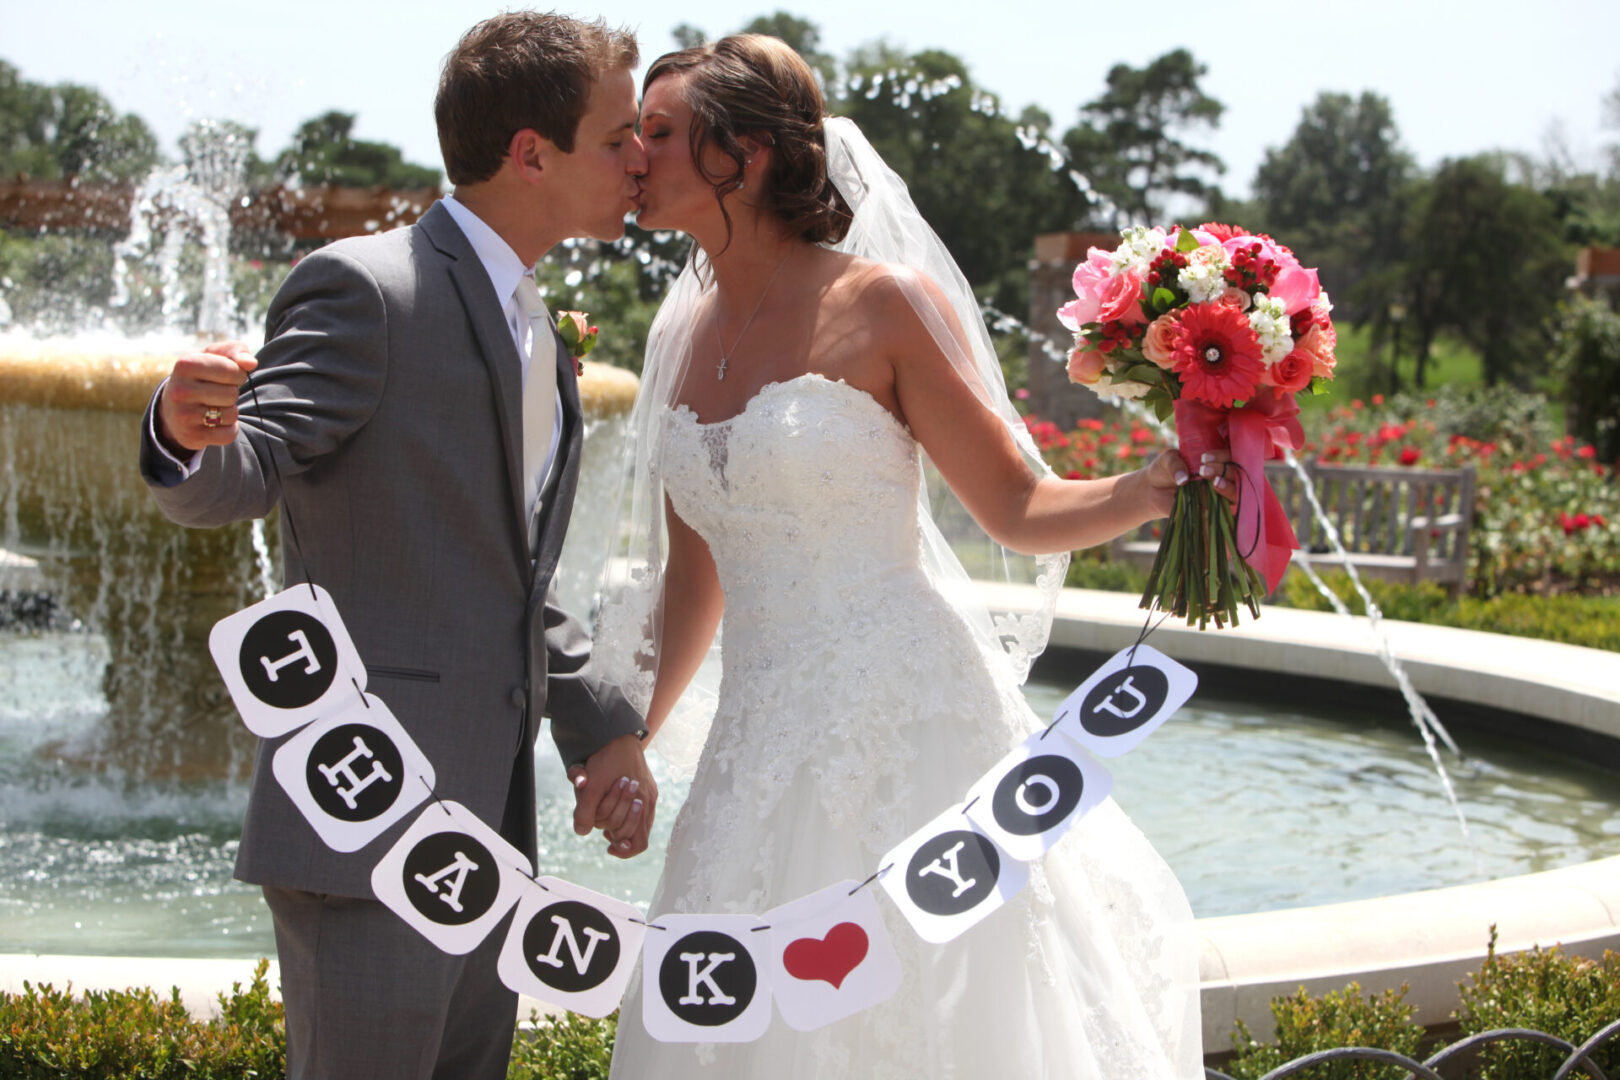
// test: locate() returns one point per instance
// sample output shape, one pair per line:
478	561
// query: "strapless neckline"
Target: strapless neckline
685	412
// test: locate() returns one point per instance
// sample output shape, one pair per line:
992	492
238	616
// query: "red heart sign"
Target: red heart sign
829	959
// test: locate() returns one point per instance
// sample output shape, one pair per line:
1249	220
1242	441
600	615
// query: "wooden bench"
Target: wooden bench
1396	523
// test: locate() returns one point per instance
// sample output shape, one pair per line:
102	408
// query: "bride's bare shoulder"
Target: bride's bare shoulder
876	288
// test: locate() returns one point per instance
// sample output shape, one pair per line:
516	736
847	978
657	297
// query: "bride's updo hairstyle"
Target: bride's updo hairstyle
755	86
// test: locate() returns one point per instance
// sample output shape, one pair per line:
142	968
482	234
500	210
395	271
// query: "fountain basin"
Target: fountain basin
1428	939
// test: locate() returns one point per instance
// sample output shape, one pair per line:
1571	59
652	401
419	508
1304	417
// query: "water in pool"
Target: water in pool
1256	807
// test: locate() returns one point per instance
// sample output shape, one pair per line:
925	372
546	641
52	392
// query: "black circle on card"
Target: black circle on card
707	978
1124	701
288	659
354	772
571	946
952	872
1037	794
451	878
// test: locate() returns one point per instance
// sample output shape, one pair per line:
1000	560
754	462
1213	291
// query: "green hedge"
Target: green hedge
1570	997
1593	621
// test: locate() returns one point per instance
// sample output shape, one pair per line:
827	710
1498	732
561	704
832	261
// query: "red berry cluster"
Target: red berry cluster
1166	267
1115	333
1248	269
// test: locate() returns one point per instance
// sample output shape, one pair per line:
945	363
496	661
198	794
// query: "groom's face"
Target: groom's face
597	185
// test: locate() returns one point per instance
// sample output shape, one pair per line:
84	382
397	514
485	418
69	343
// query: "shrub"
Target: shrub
564	1047
1306	1025
1568	996
135	1035
1592	621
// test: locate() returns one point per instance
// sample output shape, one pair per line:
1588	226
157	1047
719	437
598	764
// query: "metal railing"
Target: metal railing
1451	1062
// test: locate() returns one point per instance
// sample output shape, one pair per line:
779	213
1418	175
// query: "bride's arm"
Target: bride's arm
975	452
691	608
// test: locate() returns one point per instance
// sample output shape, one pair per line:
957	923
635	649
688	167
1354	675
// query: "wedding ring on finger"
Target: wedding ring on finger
211	416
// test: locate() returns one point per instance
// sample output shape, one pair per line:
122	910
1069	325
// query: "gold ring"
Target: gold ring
211	416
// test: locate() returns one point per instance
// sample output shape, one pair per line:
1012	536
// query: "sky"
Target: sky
1462	77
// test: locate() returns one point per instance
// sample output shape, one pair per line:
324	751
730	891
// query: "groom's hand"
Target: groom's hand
197	408
614	791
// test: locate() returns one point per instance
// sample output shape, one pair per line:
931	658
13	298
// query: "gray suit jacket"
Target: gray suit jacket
389	394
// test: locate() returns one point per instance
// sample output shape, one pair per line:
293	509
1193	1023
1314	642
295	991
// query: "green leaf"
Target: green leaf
1319	385
1186	241
1144	373
1164	408
1163	299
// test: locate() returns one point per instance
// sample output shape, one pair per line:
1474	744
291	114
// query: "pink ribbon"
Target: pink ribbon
1256	433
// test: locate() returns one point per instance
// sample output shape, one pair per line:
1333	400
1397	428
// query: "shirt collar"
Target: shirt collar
500	262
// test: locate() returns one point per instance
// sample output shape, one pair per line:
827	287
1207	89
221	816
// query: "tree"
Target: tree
324	151
1127	140
803	36
1484	258
986	182
67	130
1333	193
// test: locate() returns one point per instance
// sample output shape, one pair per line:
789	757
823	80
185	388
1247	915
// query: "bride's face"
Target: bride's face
674	195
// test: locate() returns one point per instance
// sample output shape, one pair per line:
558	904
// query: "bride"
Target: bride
818	350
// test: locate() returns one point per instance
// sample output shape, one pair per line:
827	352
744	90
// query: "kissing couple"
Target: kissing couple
415	414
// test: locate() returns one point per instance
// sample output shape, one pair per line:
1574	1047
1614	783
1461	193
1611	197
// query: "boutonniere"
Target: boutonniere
578	334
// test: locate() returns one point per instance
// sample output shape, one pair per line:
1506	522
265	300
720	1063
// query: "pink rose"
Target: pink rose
1292	373
1086	365
1089	278
1238	298
1159	342
1297	288
1320	341
1122	298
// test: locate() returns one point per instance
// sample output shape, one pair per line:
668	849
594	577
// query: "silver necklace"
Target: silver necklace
720	371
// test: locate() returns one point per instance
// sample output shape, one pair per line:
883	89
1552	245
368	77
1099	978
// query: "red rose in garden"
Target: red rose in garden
1217	355
1410	456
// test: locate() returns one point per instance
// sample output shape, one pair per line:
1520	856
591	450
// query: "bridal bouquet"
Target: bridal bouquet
1221	329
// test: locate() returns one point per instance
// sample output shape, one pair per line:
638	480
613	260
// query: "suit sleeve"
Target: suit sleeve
321	374
586	712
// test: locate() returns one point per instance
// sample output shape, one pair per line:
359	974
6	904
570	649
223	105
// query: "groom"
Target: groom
418	421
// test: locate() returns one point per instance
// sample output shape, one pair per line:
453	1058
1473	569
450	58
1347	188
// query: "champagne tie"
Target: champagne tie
539	400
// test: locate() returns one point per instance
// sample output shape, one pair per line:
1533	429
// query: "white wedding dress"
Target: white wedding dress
854	707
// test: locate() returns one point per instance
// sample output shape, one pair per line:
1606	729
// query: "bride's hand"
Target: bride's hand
1169	471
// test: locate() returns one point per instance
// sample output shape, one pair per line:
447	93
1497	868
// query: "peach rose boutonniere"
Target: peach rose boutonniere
578	334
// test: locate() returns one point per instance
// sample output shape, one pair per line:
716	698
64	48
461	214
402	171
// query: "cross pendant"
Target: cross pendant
720	372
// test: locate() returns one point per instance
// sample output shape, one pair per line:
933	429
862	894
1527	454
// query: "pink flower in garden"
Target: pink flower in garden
1159	343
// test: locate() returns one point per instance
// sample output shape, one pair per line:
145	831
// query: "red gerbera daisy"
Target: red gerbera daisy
1216	355
1222	233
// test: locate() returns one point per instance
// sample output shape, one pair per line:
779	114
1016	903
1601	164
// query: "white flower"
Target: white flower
1270	323
1202	278
1141	245
1107	387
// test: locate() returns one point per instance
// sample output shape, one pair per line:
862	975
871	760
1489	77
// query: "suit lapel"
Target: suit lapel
488	320
559	503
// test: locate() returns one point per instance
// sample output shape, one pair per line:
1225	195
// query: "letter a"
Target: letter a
460	867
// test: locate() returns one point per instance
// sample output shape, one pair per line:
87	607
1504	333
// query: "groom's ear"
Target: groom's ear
530	154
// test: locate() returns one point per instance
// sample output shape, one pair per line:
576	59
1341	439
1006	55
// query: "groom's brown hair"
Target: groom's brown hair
523	69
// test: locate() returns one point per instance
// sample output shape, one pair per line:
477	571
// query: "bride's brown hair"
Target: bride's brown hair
754	86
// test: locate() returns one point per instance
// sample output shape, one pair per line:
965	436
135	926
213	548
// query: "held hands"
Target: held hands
614	791
198	405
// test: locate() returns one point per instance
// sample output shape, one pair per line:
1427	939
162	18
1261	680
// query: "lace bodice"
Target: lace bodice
807	500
